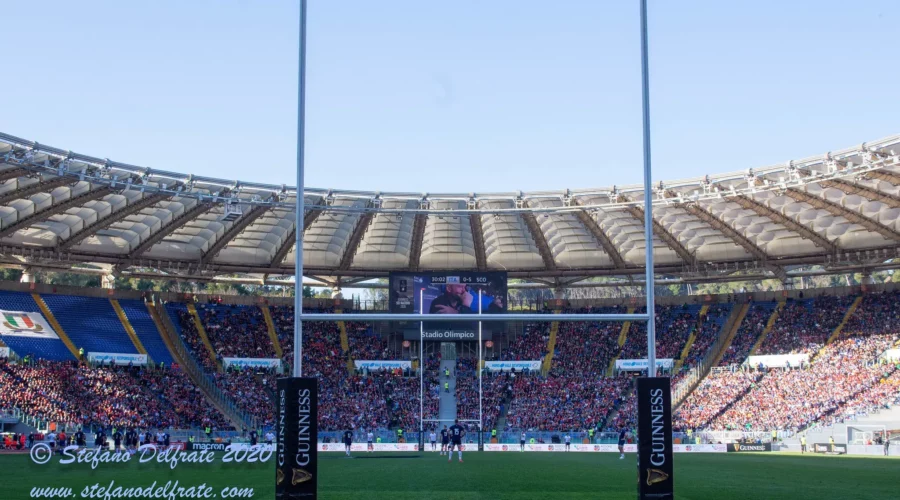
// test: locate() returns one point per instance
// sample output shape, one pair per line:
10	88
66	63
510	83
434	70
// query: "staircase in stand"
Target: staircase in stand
198	323
130	330
551	346
713	355
345	342
850	310
769	325
691	339
623	336
732	326
273	334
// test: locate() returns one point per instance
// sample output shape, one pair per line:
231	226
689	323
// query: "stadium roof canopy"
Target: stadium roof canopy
839	210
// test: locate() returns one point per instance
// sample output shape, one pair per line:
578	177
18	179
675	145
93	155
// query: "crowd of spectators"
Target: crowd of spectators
195	344
804	325
789	399
877	314
586	348
236	331
710	326
748	332
559	403
123	396
673	327
252	390
712	396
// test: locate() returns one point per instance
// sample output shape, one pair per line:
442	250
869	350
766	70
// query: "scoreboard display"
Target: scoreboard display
450	292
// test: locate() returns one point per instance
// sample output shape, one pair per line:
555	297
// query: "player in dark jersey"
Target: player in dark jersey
131	440
623	434
445	440
80	440
253	439
117	441
456	434
100	439
348	441
166	440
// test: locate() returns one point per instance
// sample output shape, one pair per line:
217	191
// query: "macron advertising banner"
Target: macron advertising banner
117	359
374	366
505	366
296	473
363	447
252	362
656	472
26	324
642	364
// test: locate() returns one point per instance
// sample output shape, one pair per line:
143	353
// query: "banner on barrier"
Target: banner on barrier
749	448
545	447
118	359
4	352
382	365
642	364
26	324
296	424
777	360
891	355
264	363
364	447
656	472
497	366
831	449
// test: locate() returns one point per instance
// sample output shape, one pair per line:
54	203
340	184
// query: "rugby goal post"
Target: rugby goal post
862	434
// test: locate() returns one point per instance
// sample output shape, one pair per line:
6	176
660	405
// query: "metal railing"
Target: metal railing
198	374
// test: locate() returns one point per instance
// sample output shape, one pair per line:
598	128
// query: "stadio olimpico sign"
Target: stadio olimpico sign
447	334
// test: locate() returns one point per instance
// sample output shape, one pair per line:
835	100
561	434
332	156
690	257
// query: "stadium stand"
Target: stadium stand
52	349
146	331
91	323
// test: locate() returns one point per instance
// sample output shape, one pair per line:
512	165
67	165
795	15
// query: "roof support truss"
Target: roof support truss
86	232
232	233
55	210
362	225
884	175
535	229
415	250
197	211
591	225
288	243
779	218
666	236
848	187
478	239
838	210
726	229
13	173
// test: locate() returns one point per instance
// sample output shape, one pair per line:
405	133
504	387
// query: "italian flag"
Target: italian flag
24	318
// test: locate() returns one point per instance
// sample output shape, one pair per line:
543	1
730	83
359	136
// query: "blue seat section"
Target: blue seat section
90	323
53	349
146	331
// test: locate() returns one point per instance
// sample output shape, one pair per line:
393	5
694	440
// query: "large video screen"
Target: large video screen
451	292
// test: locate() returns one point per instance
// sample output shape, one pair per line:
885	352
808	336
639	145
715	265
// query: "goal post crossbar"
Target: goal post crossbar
468	318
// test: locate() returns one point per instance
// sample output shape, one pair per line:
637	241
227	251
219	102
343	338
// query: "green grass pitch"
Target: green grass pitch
401	476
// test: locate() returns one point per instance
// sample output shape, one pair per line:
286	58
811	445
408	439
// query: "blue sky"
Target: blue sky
450	96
